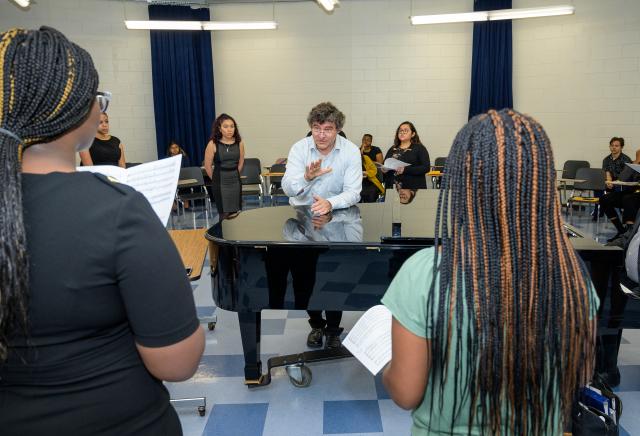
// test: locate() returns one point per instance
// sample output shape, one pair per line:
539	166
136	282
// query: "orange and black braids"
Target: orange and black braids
508	268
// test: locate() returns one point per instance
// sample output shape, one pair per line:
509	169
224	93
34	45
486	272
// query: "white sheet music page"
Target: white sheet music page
118	173
392	164
370	339
157	181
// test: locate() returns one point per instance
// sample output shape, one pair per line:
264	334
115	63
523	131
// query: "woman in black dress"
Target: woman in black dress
223	161
95	306
408	148
106	149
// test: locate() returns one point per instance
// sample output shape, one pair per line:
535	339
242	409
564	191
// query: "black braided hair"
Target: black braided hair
47	87
507	266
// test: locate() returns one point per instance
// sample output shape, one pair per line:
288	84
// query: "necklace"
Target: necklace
226	146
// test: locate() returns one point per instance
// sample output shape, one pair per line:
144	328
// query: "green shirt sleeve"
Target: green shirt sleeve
406	297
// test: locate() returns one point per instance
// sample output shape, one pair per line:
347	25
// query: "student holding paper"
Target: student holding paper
95	306
408	148
494	330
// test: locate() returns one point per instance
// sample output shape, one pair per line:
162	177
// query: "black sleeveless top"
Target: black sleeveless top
105	152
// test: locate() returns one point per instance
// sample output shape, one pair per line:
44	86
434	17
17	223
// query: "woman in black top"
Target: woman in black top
95	306
223	162
407	148
174	149
106	149
374	153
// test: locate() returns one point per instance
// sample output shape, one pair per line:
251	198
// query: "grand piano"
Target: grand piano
285	258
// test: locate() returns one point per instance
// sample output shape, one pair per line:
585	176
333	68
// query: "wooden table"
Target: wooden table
192	247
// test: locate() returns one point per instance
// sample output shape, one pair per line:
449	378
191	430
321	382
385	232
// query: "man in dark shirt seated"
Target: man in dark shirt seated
626	198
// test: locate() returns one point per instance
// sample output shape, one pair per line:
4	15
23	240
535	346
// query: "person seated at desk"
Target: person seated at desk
324	171
478	342
95	306
174	149
374	153
613	165
626	198
408	148
372	187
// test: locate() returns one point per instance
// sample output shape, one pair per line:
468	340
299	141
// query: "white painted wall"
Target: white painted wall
122	58
579	75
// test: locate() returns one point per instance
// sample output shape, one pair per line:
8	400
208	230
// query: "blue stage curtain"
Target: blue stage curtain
183	94
491	67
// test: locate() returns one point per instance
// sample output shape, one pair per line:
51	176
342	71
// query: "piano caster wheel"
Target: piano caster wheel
201	410
211	326
299	375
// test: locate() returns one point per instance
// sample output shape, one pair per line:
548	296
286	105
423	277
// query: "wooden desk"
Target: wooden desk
621	183
187	182
192	247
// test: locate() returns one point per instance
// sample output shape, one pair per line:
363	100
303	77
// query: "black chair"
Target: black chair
438	165
191	187
594	180
131	164
569	170
275	182
251	179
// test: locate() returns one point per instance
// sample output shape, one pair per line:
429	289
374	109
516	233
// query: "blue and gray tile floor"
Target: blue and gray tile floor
343	398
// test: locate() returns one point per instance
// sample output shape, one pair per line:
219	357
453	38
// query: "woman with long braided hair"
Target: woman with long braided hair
493	331
95	308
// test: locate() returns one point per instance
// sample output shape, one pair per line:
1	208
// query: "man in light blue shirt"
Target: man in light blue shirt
324	171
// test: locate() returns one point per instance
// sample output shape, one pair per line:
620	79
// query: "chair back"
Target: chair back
439	163
593	179
250	174
277	168
191	173
570	168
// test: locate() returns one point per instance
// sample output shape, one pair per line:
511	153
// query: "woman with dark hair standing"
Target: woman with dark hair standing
106	149
223	162
494	327
95	306
408	148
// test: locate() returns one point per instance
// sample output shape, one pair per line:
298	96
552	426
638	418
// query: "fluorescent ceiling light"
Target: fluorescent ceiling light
163	25
328	5
514	14
22	3
239	25
200	25
449	18
501	14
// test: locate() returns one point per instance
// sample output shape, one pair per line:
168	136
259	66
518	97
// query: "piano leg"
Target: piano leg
250	333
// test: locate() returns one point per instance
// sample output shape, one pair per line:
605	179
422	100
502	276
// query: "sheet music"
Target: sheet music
370	339
156	180
392	164
118	173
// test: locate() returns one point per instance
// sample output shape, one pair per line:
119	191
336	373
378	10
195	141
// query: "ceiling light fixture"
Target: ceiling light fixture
449	18
328	5
200	25
163	25
501	14
239	25
516	14
22	3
